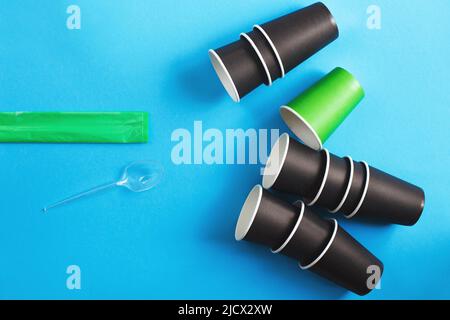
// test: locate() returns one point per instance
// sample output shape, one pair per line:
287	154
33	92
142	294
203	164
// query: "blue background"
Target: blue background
177	241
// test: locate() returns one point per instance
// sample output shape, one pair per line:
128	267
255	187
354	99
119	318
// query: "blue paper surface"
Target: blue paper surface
177	241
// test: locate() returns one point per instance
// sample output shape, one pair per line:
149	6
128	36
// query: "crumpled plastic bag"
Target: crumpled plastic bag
74	127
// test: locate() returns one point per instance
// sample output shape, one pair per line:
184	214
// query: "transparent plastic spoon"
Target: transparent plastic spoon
139	176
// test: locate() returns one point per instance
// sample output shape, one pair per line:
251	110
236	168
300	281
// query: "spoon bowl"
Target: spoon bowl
141	176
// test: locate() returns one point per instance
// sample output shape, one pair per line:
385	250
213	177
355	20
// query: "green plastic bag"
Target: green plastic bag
74	127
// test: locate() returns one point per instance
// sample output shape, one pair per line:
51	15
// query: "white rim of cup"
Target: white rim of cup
274	49
312	140
366	187
258	53
291	235
324	180
312	264
268	179
349	185
224	75
248	213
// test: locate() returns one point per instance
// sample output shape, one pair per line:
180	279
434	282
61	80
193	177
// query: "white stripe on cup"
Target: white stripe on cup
266	70
324	180
274	49
297	224
312	264
349	185
366	187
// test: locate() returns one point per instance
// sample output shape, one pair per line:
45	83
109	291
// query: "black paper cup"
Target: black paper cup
337	183
346	262
294	168
268	56
340	184
299	35
272	49
392	200
308	238
265	219
238	68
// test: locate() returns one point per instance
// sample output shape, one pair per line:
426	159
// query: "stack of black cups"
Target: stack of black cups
341	184
317	177
319	245
338	184
273	49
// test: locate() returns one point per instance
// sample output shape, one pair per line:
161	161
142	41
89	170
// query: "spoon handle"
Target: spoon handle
80	195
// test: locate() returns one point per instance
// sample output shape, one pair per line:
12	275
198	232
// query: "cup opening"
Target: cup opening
224	75
276	161
301	128
248	212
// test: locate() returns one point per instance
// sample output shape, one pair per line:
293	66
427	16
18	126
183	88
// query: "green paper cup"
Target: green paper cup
316	113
